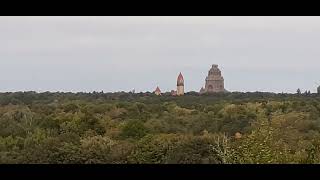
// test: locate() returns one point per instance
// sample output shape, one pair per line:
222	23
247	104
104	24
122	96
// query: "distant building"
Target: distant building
214	81
318	90
173	93
157	91
180	85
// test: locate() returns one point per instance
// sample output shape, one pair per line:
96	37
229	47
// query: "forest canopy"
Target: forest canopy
142	128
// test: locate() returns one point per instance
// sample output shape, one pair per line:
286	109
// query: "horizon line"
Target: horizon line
101	91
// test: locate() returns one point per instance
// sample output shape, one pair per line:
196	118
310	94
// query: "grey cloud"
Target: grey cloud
121	53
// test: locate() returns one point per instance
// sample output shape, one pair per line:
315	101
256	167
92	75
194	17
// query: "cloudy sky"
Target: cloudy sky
278	54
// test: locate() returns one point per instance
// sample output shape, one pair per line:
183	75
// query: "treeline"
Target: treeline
219	128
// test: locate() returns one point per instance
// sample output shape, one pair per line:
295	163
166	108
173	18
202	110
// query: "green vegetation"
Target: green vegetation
143	128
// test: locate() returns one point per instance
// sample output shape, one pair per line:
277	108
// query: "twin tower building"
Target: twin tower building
214	83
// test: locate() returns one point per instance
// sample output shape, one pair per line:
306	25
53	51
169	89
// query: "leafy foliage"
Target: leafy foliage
93	128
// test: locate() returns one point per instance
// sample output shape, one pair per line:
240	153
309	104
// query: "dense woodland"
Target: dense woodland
118	128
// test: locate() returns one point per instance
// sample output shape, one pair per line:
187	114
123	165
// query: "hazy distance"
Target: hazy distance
274	54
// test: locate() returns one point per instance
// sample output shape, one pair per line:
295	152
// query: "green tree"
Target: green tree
134	129
298	91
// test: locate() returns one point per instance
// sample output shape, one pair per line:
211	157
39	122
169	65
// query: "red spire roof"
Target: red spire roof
180	81
157	89
180	77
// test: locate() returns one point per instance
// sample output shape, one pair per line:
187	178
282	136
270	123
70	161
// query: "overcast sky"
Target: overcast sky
275	54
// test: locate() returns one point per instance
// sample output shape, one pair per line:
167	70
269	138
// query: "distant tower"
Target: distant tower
214	80
157	91
180	85
318	90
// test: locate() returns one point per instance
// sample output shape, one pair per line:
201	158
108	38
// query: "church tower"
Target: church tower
180	85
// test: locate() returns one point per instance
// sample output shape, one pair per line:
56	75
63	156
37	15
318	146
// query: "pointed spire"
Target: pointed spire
180	85
180	80
157	91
